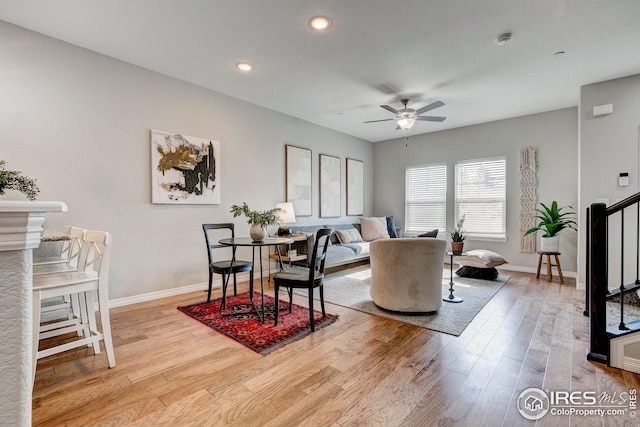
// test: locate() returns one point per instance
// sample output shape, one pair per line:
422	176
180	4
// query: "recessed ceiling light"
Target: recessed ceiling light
320	23
244	66
503	39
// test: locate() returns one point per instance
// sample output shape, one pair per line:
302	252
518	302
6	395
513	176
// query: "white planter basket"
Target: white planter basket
550	244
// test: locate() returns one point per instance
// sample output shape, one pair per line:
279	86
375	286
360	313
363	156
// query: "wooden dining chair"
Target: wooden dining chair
92	277
309	279
226	267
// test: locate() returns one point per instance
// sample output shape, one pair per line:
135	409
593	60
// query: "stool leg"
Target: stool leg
559	269
548	268
539	265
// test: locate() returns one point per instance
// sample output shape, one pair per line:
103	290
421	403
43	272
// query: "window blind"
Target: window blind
426	198
480	195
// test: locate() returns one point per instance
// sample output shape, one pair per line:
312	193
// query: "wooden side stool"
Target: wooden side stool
549	265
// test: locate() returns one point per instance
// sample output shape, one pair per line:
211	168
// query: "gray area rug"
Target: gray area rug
350	288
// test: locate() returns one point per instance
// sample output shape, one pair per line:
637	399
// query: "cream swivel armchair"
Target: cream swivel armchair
406	274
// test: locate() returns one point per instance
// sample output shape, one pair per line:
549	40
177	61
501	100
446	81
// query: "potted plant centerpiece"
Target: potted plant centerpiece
259	220
457	237
552	222
14	180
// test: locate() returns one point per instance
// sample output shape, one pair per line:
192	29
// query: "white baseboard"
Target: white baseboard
119	302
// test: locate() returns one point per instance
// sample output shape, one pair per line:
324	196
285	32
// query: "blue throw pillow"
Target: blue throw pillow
391	227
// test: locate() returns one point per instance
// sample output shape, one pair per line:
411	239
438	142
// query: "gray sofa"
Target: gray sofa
337	253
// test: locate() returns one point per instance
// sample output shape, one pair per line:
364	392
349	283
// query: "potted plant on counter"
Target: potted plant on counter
259	220
14	180
552	221
457	237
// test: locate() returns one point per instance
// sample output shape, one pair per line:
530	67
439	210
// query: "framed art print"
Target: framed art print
184	169
355	187
329	186
298	179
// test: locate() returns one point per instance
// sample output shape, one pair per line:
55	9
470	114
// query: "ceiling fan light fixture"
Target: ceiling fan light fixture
406	123
320	22
244	66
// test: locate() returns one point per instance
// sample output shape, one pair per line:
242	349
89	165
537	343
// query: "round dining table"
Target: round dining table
259	244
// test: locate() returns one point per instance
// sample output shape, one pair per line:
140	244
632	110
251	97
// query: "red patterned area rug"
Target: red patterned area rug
239	324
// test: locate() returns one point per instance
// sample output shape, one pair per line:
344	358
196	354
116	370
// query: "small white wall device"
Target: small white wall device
602	110
623	179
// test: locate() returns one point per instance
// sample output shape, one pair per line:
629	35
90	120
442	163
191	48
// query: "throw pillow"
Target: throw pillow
480	258
374	228
432	233
334	237
348	236
391	227
478	273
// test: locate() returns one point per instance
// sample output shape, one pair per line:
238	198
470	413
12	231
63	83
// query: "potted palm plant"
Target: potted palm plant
552	221
457	237
259	220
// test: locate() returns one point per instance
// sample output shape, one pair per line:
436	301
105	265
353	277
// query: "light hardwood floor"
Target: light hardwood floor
362	370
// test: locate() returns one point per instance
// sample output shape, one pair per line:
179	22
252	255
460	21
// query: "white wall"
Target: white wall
554	134
79	122
608	146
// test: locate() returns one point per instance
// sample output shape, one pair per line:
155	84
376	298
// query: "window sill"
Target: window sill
481	238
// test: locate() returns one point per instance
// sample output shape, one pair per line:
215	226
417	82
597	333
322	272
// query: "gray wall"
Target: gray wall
79	122
554	134
608	146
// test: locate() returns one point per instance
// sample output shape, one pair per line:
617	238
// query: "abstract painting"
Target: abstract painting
184	169
329	186
355	187
298	163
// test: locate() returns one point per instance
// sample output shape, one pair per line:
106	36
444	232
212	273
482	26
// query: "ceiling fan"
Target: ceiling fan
406	117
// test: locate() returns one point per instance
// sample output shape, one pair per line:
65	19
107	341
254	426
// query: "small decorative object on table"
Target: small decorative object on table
258	220
286	215
552	222
14	180
457	237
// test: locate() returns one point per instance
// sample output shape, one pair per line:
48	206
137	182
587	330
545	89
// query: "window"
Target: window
481	197
426	198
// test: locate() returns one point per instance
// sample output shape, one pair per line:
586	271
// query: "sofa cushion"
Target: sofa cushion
480	258
349	236
374	228
339	254
359	249
478	273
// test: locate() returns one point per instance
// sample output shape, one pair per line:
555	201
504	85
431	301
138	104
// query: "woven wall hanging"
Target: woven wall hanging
528	197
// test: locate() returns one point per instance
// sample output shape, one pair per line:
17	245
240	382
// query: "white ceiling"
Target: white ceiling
376	52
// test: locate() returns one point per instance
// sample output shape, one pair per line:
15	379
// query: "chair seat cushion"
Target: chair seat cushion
296	278
225	266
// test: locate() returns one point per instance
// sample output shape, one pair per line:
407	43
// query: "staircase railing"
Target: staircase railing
598	238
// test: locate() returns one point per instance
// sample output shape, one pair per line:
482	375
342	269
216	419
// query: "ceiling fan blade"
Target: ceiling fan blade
374	121
431	118
388	108
429	107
